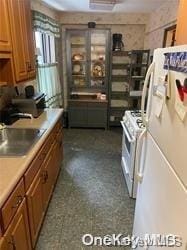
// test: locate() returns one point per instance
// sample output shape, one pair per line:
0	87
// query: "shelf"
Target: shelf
138	65
120	78
120	65
120	53
82	61
88	100
116	95
135	97
137	77
97	77
78	45
98	60
74	75
98	44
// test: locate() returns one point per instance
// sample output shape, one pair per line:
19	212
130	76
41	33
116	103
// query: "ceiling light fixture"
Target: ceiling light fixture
107	5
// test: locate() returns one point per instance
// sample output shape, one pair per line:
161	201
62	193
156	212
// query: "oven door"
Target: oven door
128	151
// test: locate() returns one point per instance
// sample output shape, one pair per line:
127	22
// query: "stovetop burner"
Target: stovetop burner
136	113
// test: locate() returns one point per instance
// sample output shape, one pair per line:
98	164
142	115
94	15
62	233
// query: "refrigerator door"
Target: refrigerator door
161	202
169	131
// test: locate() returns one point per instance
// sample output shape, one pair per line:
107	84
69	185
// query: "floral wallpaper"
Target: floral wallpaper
103	18
41	7
160	19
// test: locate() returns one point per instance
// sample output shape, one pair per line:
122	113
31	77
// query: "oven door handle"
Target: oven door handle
125	166
130	138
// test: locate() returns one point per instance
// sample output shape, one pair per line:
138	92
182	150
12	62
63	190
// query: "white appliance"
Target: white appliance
161	204
132	127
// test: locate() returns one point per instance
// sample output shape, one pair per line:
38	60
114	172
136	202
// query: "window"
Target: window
45	47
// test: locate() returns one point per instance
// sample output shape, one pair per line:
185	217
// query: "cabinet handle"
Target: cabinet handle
27	66
12	242
44	176
19	201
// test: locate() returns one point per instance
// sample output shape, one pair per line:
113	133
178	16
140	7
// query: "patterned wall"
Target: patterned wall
41	7
103	18
160	19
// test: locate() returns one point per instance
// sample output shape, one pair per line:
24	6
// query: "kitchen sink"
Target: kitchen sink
18	141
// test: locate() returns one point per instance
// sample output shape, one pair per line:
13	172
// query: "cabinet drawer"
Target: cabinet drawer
37	162
12	204
33	169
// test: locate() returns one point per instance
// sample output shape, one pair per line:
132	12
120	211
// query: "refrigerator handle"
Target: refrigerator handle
140	167
144	92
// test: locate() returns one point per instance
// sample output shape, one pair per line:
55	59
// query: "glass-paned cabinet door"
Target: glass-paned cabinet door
78	45
98	58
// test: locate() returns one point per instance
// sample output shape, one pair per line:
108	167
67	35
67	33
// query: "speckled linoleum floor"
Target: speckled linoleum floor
91	195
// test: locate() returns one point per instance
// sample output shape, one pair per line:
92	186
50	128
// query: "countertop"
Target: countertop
88	100
13	168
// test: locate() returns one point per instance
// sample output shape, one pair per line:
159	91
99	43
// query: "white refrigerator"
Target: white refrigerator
161	204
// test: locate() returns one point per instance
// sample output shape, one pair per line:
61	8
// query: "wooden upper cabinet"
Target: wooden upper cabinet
22	39
5	38
30	41
181	32
19	38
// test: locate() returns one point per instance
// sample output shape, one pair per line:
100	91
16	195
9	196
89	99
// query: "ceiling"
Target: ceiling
124	5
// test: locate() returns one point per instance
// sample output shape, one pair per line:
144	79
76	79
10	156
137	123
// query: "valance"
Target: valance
45	24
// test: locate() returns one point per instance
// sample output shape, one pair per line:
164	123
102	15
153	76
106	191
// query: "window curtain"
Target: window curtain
49	83
45	24
48	74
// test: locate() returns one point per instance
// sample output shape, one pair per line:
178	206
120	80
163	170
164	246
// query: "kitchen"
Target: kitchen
93	117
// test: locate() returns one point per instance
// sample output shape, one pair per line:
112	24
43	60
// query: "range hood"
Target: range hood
102	4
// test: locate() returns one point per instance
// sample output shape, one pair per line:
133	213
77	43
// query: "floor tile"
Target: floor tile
90	195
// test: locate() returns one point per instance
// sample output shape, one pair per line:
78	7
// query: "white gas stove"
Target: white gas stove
132	127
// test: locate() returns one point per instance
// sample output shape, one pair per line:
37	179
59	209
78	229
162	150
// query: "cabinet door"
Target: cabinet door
30	41
35	207
98	58
19	38
5	39
17	235
77	58
58	150
181	34
47	172
77	116
97	117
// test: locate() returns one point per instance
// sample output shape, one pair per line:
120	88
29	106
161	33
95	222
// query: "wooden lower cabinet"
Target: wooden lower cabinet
35	206
58	155
47	171
87	114
17	235
24	224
